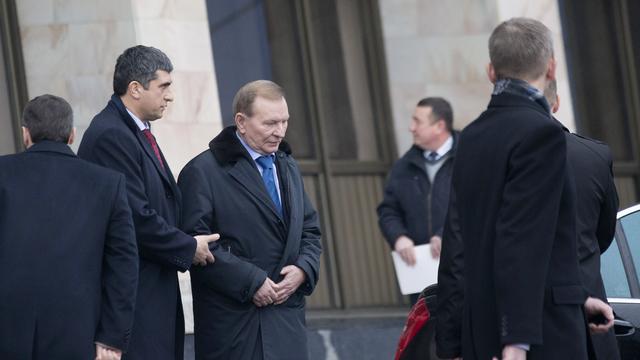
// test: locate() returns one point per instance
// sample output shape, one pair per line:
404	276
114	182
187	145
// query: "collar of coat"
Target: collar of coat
51	146
416	157
227	149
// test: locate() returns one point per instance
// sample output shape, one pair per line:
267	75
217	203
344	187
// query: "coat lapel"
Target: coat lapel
294	201
131	124
249	177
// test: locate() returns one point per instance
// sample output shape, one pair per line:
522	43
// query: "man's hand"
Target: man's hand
266	294
105	353
293	278
203	256
436	246
594	307
404	247
511	352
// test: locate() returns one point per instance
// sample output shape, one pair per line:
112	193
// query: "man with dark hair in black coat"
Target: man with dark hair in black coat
416	194
120	138
67	247
597	205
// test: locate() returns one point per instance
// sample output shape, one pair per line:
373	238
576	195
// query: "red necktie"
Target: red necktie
152	140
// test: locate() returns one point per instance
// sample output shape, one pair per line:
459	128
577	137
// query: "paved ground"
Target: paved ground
348	338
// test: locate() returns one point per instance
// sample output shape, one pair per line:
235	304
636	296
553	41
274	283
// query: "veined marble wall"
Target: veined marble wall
440	48
70	49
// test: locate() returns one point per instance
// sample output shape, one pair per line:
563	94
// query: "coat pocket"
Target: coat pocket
569	294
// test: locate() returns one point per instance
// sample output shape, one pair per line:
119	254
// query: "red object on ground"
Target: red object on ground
415	321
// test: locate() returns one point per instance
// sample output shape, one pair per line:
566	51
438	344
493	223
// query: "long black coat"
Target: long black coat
224	193
591	165
113	140
67	254
412	205
515	206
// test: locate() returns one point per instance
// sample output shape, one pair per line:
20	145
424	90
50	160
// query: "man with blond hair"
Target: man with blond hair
250	303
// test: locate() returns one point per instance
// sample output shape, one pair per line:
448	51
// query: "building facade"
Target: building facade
353	71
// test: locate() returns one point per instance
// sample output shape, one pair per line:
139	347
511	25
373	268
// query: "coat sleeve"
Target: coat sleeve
526	229
157	240
450	287
608	210
229	274
119	274
310	247
390	213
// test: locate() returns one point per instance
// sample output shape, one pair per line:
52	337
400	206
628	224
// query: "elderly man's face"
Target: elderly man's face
265	129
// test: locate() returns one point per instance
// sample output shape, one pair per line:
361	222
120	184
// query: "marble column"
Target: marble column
440	48
70	49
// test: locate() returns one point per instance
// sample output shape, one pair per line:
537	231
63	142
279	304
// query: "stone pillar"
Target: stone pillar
440	48
70	49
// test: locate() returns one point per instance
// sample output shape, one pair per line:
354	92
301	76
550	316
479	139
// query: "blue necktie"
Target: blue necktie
266	163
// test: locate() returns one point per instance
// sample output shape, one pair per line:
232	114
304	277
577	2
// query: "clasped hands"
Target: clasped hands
276	294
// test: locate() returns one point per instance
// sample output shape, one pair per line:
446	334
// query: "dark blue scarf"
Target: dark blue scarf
521	88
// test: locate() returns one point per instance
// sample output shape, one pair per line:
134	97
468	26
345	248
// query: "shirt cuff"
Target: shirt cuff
524	347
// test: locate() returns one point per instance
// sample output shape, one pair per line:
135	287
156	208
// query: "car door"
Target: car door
620	266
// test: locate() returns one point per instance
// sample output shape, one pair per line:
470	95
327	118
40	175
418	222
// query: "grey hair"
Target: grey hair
48	117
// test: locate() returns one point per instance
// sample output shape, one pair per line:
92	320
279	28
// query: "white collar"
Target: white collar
254	154
442	150
142	125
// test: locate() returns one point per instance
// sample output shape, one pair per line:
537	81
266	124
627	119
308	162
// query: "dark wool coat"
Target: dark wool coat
67	254
224	193
412	205
114	140
591	165
515	208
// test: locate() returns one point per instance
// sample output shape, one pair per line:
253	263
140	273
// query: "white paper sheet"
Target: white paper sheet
413	279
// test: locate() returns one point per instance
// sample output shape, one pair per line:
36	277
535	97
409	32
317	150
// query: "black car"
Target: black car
620	269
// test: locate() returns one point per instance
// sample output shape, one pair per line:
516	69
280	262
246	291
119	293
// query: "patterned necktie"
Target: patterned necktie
266	163
154	145
432	157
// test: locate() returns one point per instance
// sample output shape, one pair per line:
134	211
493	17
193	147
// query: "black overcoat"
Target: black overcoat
67	255
114	140
224	193
515	208
591	165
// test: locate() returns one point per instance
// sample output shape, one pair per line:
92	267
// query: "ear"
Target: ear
72	136
491	73
551	69
240	121
556	106
26	137
134	89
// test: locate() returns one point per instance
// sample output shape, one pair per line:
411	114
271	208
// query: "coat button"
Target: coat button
169	195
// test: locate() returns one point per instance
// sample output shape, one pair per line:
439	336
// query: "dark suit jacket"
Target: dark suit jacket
591	165
224	193
67	254
515	203
113	140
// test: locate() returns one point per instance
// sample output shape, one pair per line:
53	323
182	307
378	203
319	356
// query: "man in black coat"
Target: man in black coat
250	303
119	138
416	195
67	247
514	204
597	205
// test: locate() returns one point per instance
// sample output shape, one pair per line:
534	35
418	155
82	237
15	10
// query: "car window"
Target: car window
613	275
631	226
